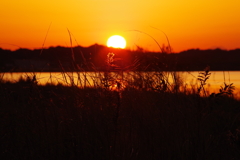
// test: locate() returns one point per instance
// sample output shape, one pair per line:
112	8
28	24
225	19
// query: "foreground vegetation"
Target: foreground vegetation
119	114
144	119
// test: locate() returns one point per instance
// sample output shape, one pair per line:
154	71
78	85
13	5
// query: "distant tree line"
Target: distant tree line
96	58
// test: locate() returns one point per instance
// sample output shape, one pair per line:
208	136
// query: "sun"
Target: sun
116	41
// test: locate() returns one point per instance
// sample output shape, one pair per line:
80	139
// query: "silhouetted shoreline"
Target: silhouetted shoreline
93	58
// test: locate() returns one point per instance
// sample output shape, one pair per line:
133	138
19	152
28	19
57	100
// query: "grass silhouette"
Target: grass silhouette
66	122
123	114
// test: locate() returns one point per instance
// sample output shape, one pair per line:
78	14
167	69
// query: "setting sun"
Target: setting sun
116	41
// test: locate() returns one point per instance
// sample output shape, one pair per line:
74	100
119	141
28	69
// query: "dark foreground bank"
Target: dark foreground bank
59	122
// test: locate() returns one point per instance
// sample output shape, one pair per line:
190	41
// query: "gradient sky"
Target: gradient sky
188	24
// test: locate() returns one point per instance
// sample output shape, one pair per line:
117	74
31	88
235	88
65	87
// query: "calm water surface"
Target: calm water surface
216	79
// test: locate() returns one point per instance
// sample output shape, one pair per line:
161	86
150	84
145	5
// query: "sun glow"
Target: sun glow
116	41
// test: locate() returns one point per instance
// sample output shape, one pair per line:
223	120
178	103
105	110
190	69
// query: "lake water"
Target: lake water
217	78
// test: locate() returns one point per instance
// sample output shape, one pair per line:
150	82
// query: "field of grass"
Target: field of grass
144	119
120	117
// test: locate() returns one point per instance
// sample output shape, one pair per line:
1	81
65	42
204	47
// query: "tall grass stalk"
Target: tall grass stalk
203	77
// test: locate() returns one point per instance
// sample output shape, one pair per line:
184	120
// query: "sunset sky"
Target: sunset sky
188	24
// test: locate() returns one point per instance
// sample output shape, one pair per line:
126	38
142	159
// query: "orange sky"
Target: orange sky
188	24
